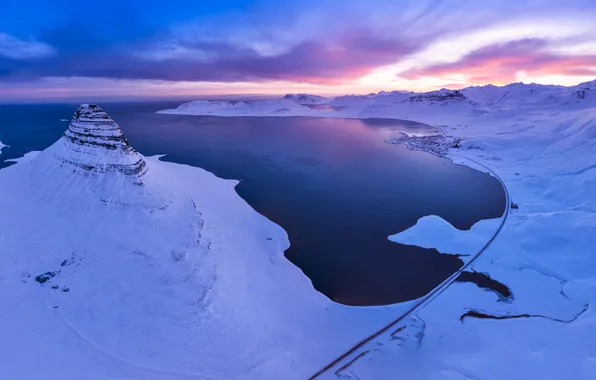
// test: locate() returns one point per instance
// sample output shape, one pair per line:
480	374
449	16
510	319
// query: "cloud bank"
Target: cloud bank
363	43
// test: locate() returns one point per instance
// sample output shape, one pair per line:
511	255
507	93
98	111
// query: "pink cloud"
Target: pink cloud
502	62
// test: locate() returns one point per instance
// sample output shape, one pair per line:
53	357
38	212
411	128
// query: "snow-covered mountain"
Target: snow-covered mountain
275	107
113	264
523	95
404	104
93	145
307	99
515	95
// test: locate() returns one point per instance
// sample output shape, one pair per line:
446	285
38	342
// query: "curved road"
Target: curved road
433	293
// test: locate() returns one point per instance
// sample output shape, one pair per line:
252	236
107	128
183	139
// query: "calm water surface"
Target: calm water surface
334	185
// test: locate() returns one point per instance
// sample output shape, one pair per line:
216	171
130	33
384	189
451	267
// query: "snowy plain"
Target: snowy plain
541	141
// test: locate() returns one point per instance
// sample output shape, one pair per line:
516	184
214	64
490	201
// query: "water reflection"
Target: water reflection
338	190
334	185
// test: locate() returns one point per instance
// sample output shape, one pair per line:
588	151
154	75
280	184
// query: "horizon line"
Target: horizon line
240	96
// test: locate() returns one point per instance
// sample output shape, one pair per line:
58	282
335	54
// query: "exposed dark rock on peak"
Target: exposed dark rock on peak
94	144
91	125
439	96
90	112
581	93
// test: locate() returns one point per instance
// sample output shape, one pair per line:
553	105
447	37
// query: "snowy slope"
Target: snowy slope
514	95
115	265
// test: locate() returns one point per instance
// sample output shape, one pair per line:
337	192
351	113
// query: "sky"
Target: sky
127	49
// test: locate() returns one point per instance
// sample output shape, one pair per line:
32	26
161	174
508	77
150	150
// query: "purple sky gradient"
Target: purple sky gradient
261	46
501	62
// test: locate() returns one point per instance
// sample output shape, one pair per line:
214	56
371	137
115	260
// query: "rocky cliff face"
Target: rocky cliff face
441	97
94	144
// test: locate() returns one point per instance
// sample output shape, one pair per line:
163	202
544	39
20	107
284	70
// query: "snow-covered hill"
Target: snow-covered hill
517	95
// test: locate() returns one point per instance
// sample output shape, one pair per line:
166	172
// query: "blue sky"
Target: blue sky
130	48
128	18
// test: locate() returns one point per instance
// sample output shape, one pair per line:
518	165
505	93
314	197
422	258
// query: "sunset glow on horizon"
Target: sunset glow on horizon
126	49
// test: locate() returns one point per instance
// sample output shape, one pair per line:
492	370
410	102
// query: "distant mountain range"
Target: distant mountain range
514	94
391	103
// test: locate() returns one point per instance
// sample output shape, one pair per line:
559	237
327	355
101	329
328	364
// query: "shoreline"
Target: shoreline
350	356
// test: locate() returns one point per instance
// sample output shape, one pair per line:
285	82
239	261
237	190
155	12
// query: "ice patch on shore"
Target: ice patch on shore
434	232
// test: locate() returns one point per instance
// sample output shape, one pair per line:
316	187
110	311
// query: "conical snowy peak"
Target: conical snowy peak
94	144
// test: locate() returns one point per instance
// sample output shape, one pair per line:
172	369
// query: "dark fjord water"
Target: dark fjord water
334	185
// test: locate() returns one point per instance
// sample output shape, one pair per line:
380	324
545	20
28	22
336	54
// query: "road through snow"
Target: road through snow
352	354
